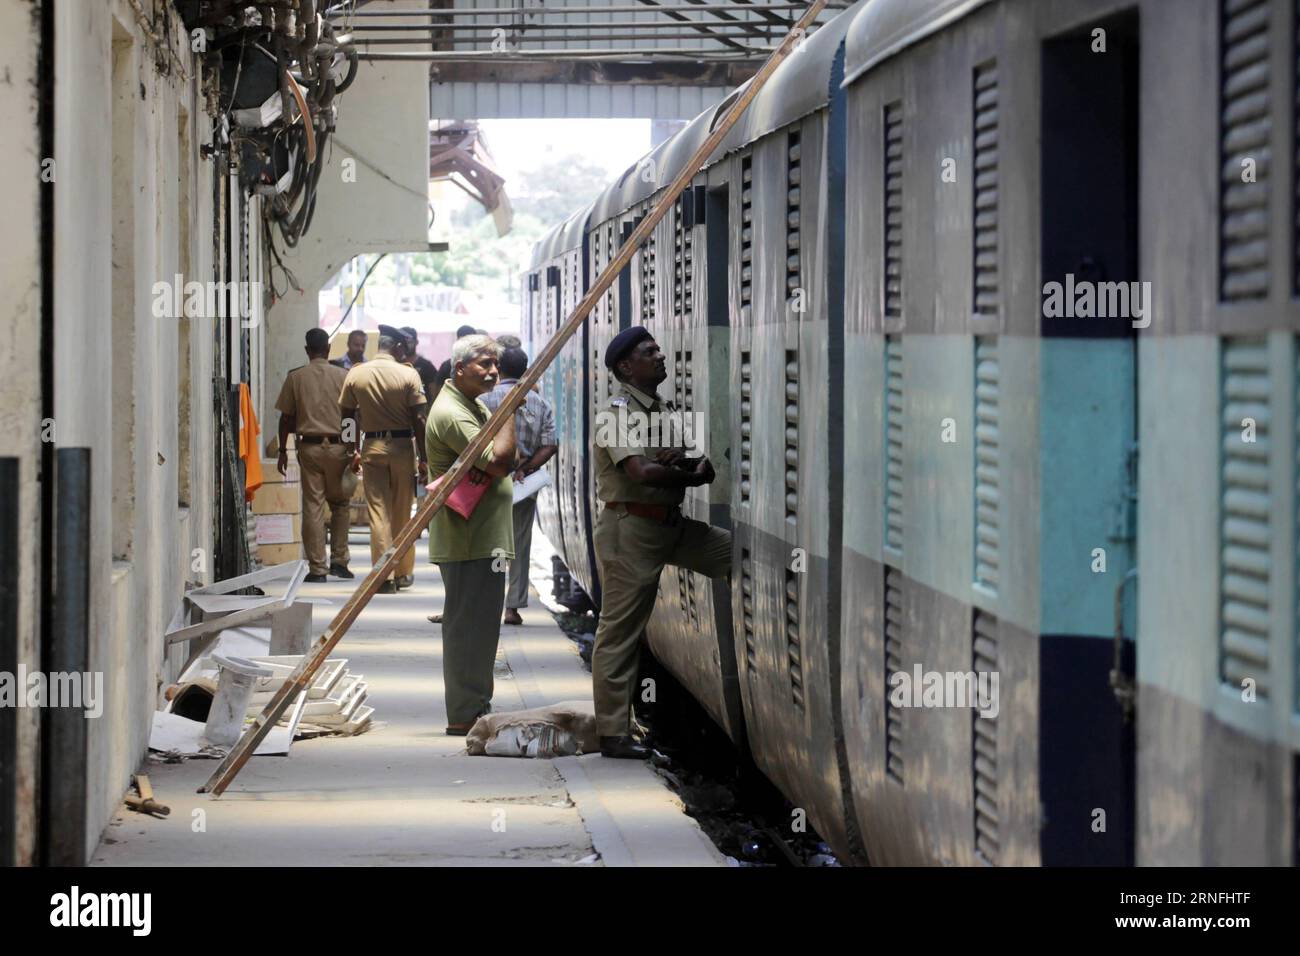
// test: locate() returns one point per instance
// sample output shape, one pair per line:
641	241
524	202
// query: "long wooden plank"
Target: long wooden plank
302	675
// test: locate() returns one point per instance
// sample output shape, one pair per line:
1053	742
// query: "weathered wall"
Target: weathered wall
20	339
383	128
126	145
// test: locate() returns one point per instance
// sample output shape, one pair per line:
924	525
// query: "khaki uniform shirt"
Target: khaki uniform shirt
311	395
452	424
383	392
634	423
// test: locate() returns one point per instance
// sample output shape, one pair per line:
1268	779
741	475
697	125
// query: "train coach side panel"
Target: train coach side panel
1217	670
941	436
780	498
683	633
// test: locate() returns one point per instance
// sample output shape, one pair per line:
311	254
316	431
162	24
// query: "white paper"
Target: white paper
275	529
532	484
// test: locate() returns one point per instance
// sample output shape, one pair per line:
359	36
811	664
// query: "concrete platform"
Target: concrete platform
404	793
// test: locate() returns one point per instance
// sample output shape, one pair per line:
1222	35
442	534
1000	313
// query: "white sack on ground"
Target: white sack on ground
559	730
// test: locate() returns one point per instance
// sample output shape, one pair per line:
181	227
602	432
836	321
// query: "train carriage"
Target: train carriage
925	343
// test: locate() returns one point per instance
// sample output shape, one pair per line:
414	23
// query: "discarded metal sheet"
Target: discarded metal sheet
243	609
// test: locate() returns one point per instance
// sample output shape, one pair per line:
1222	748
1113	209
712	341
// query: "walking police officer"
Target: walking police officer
640	527
388	398
309	407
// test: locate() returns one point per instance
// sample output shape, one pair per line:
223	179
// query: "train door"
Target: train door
1091	306
712	206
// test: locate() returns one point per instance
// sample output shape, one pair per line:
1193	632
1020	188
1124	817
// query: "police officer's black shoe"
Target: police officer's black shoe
315	579
388	587
341	571
405	581
624	747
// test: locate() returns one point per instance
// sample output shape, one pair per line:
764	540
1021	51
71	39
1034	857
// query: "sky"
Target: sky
517	144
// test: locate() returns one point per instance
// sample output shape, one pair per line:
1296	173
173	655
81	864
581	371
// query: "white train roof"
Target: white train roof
800	85
887	27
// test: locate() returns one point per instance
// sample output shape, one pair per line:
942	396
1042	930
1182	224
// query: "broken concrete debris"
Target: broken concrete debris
334	704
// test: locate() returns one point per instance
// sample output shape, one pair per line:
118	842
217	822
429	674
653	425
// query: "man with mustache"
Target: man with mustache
470	552
639	528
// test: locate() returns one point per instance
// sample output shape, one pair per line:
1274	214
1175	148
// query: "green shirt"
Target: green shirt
452	424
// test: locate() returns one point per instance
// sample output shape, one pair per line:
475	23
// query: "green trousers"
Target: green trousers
471	628
631	552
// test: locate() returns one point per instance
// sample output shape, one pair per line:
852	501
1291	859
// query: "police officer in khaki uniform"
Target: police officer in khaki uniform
640	526
309	407
388	398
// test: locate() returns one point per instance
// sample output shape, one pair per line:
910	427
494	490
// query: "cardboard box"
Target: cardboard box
271	476
270	554
278	499
279	529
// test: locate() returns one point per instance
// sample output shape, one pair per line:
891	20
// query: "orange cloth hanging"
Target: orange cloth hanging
248	450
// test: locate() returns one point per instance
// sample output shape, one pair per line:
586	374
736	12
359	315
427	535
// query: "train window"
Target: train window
794	652
984	217
792	177
746	426
692	607
648	267
984	742
747	609
1246	531
1245	136
688	269
893	664
893	478
892	289
791	436
746	238
679	265
987	479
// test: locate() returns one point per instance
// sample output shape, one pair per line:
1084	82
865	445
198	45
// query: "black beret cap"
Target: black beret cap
624	342
394	333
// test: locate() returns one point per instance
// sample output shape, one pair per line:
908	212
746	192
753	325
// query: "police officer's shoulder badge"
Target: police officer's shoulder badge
618	400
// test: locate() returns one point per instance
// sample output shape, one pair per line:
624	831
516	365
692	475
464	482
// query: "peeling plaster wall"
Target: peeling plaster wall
124	172
20	339
144	400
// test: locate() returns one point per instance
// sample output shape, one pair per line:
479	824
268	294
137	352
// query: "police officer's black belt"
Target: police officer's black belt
319	439
399	433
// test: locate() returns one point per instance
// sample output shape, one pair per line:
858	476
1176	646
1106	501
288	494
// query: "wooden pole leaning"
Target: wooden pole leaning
301	677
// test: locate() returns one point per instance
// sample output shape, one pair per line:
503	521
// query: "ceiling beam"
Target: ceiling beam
690	73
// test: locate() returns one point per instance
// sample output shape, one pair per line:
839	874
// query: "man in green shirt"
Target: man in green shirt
471	553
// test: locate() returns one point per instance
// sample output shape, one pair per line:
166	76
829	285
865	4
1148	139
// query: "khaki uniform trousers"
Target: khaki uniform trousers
388	471
322	468
471	630
631	551
522	516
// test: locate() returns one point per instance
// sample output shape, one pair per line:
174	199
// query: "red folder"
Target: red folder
465	496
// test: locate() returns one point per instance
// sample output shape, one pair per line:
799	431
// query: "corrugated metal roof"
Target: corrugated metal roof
888	27
574	101
800	85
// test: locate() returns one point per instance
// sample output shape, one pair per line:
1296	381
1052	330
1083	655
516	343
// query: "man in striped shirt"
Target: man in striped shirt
535	444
